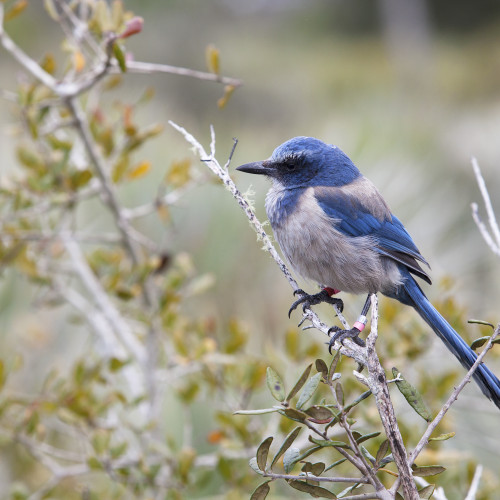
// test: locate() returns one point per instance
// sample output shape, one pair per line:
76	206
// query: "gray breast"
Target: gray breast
315	248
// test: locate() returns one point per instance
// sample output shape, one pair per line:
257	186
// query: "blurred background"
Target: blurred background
409	90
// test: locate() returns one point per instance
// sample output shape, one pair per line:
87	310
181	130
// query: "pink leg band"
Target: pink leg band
359	326
331	291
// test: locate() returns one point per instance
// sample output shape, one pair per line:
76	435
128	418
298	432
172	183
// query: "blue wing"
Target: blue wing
366	214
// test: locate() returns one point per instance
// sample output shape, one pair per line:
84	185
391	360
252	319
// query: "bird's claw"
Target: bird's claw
340	335
311	300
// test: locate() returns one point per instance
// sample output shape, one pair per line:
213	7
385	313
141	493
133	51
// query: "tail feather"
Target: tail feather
411	294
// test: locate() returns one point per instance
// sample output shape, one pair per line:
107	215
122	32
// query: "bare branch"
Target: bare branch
493	240
102	172
148	68
103	302
453	396
474	486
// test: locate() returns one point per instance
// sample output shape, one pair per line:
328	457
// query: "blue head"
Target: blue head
306	161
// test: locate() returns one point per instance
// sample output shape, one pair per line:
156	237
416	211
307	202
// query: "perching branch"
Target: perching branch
353	351
378	385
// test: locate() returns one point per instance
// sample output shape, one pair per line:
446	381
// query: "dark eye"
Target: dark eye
290	167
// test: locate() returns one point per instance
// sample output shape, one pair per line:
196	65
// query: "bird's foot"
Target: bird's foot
311	300
340	335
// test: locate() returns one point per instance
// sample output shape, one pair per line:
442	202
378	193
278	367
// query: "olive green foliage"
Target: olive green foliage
154	400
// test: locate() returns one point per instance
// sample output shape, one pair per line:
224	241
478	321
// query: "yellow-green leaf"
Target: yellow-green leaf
15	10
427	470
300	383
120	57
179	172
314	491
290	458
78	61
442	437
260	493
140	170
309	390
49	64
286	444
262	452
228	92
413	397
275	384
212	58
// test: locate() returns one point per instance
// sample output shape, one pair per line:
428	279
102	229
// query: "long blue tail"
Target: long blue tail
411	294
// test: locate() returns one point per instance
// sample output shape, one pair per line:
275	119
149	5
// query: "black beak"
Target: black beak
257	167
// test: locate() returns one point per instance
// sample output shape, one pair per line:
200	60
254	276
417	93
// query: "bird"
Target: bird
335	228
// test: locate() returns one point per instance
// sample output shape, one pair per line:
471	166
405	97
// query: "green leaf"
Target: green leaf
339	393
120	57
387	460
319	413
256	412
480	322
260	493
442	437
116	364
315	469
100	441
368	455
333	365
358	400
253	464
94	463
300	383
338	462
365	437
286	444
382	451
481	341
275	384
413	397
325	443
293	414
426	493
118	450
315	491
309	452
309	390
322	368
427	470
290	458
262	452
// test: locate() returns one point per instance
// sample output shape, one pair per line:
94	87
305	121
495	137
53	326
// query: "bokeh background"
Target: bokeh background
409	90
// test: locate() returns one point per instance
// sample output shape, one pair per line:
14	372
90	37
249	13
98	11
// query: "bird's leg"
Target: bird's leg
311	300
353	333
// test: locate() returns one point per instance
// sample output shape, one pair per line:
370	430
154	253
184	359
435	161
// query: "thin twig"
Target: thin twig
310	477
29	64
474	486
495	231
146	67
453	396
